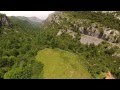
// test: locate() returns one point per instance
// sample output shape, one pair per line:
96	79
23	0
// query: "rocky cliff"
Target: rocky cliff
72	25
4	21
104	33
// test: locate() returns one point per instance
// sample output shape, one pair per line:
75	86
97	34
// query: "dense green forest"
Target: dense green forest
20	44
18	49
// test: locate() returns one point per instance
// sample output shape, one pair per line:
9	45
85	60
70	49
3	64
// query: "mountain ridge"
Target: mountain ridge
33	18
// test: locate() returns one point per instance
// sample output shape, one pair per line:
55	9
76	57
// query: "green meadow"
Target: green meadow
60	64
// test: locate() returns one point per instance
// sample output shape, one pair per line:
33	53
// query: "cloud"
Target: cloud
39	14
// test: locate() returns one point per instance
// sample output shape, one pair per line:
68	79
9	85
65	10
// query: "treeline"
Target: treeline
105	19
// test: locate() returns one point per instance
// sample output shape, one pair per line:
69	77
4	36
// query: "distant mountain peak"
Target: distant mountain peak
35	19
30	19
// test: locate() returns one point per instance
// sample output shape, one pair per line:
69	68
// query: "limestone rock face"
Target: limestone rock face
54	17
108	34
4	21
83	26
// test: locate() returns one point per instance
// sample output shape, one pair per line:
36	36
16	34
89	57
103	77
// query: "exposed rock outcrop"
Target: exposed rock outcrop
54	17
84	26
107	34
4	21
68	31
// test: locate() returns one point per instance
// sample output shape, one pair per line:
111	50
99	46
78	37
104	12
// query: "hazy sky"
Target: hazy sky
39	14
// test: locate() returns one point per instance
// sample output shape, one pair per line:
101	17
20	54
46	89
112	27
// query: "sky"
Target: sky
39	14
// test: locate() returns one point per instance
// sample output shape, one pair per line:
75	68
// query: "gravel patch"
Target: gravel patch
85	39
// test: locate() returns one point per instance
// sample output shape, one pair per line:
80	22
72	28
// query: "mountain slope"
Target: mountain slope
66	29
32	20
88	23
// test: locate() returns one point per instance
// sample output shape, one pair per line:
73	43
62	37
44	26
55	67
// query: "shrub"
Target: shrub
18	73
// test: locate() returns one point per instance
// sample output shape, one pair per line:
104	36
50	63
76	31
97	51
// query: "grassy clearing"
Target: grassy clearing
60	64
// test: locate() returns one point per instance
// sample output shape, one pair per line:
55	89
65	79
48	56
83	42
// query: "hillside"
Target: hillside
32	20
94	24
95	35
